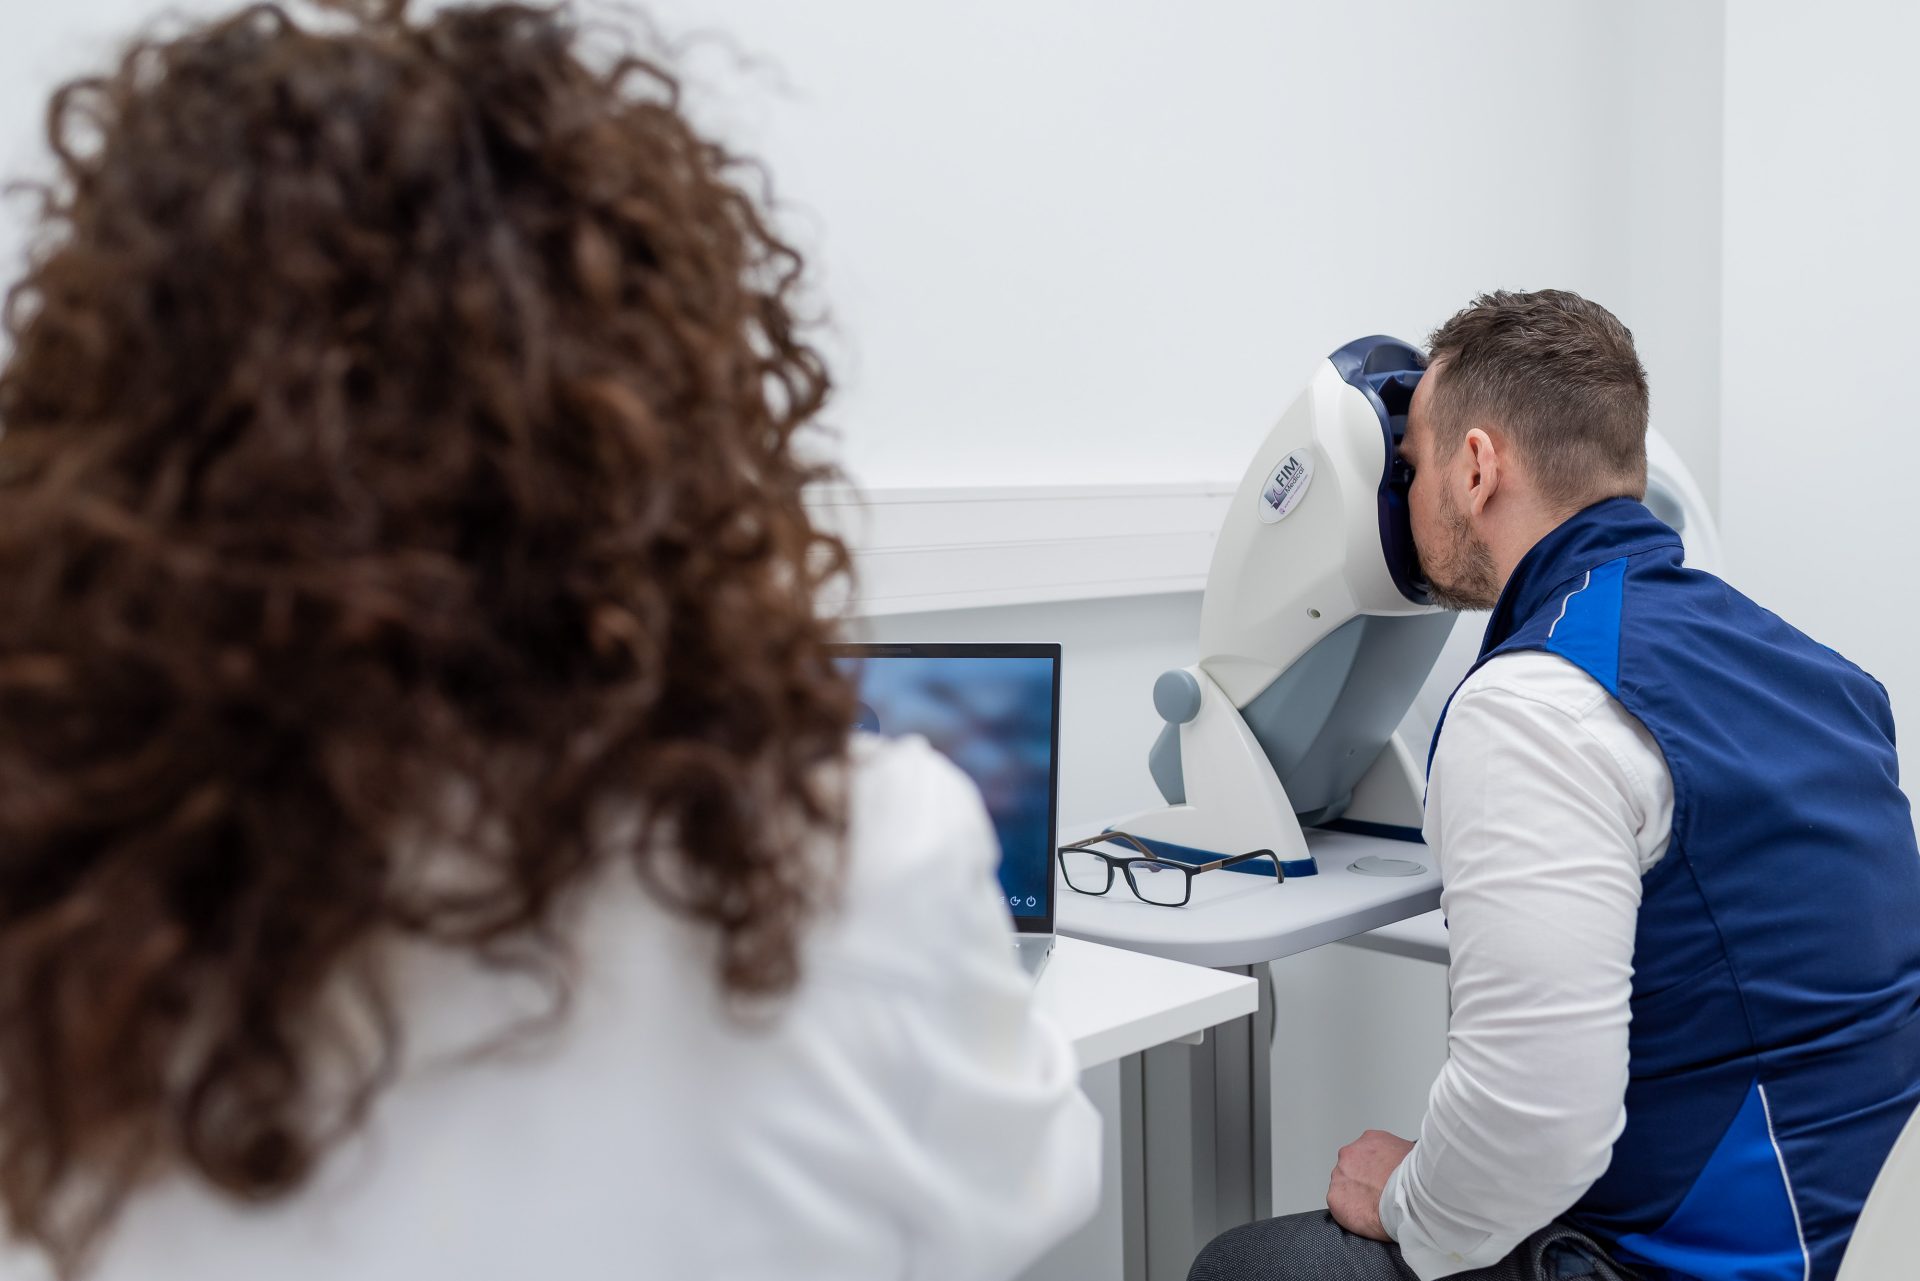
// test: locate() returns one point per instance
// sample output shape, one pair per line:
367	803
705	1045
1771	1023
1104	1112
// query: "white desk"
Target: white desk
1112	1003
1421	938
1240	920
1205	1111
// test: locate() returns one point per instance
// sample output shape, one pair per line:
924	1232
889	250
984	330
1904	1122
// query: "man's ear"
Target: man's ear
1483	470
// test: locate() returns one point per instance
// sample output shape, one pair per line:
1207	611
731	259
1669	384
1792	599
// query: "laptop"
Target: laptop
993	710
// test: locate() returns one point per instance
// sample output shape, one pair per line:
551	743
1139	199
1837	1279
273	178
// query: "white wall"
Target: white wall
1065	242
1673	94
1074	243
1821	330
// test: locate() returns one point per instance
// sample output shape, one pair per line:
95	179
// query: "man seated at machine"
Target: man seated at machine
1680	876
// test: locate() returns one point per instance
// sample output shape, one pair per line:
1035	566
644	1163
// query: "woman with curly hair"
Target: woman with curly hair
430	841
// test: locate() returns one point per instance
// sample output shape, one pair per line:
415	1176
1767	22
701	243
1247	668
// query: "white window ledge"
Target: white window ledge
931	549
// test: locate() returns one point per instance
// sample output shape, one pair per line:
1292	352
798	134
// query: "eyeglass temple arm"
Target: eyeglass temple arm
1116	838
1235	859
1123	837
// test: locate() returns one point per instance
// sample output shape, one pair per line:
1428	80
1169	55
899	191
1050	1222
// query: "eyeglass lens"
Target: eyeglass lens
1086	871
1158	883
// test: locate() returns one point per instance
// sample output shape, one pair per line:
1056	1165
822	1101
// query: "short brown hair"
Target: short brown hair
1560	374
401	528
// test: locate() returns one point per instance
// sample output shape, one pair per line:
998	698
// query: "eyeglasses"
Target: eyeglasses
1159	881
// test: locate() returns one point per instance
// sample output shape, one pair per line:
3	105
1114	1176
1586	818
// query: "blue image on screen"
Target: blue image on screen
993	717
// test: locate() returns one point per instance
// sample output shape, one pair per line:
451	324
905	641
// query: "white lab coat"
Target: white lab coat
904	1115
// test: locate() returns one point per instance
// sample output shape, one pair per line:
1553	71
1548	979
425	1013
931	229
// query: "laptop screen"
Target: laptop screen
993	710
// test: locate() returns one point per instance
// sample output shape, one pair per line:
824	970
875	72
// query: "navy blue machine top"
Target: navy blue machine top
1775	1036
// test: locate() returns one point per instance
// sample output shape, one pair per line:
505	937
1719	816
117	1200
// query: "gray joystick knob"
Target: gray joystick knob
1176	696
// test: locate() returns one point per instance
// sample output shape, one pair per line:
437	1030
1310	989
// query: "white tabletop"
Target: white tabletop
1424	938
1112	1003
1237	919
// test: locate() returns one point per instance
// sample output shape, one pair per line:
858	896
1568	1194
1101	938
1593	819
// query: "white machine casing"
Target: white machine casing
1276	588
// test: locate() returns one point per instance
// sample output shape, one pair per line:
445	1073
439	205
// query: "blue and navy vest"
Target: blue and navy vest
1775	1035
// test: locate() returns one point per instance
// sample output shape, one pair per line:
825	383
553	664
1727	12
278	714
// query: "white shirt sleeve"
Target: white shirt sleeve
1547	803
903	1114
989	1150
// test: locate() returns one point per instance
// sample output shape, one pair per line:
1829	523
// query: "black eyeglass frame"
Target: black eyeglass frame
1125	863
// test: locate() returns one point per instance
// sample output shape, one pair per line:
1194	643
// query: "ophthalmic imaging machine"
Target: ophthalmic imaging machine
1316	634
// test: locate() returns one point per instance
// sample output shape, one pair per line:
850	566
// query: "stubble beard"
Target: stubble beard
1464	579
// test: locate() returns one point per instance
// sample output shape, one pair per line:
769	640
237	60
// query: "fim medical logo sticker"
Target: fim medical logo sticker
1286	487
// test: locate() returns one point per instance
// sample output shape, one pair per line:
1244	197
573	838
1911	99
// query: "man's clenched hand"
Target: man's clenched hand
1365	1165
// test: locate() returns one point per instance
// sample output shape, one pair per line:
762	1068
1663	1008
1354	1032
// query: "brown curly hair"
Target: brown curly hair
399	477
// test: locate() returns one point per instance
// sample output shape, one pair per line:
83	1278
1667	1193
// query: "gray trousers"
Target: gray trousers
1312	1247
